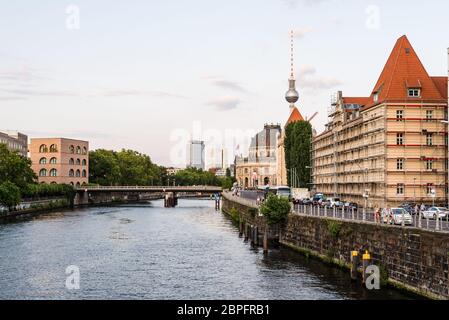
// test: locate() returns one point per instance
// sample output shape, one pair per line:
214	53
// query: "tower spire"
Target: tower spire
292	72
292	95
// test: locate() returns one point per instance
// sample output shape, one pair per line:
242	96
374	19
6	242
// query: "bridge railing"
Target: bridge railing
152	188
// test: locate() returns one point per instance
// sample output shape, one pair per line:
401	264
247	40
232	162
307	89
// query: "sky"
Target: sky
150	75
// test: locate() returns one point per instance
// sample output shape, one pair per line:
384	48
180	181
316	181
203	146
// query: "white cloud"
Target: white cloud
224	103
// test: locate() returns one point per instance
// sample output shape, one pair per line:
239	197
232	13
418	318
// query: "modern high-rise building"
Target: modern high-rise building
60	160
15	141
389	147
196	154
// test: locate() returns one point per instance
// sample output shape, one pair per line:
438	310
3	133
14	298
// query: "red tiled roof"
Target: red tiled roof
441	84
356	100
402	70
295	115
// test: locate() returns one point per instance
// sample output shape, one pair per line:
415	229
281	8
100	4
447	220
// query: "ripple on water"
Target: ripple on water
150	252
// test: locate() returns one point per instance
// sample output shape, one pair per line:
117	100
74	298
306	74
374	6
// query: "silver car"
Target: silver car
434	212
397	216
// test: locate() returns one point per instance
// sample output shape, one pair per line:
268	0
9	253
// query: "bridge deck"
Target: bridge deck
207	189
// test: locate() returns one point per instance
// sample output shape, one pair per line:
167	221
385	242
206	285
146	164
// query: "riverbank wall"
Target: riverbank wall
410	259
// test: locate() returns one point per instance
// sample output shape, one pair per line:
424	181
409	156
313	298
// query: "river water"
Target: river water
150	252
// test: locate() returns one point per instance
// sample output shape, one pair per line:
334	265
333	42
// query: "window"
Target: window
43	148
53	173
429	115
399	115
71	173
400	189
376	96
78	174
43	173
78	162
72	149
84	173
84	162
78	150
414	93
53	148
399	139
429	164
429	139
84	150
53	160
400	164
429	189
43	161
71	161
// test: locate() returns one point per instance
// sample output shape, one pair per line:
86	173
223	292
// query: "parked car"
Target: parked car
434	212
335	202
396	216
351	205
317	198
306	201
409	207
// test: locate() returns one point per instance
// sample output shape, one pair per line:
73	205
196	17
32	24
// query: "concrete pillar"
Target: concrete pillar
366	261
240	228
245	232
265	240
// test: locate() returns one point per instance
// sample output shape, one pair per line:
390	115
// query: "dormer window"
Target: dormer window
414	93
376	96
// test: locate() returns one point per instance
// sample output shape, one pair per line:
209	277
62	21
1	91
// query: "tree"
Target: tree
103	167
297	146
126	167
15	168
9	194
275	209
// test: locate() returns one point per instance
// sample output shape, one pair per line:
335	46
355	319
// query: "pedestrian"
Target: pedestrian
389	215
416	211
377	214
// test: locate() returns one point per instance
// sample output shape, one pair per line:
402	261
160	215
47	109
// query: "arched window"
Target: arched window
78	184
71	161
53	160
78	150
53	148
53	173
84	150
53	182
71	183
43	161
78	162
72	149
78	174
71	173
43	173
43	148
84	162
84	173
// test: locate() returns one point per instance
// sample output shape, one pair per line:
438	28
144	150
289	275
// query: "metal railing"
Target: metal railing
150	188
367	216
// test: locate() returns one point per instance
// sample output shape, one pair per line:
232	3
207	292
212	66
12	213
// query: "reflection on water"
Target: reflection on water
151	252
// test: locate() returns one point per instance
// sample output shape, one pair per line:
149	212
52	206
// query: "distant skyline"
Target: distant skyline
143	74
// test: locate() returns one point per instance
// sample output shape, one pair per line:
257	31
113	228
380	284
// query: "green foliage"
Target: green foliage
48	190
297	145
15	168
275	209
9	194
234	214
126	167
334	228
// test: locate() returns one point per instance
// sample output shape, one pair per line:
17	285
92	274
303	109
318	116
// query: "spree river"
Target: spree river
150	252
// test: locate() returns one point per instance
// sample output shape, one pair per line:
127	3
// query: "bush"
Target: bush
9	194
275	209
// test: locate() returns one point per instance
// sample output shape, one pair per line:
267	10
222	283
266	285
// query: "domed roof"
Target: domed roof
292	96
